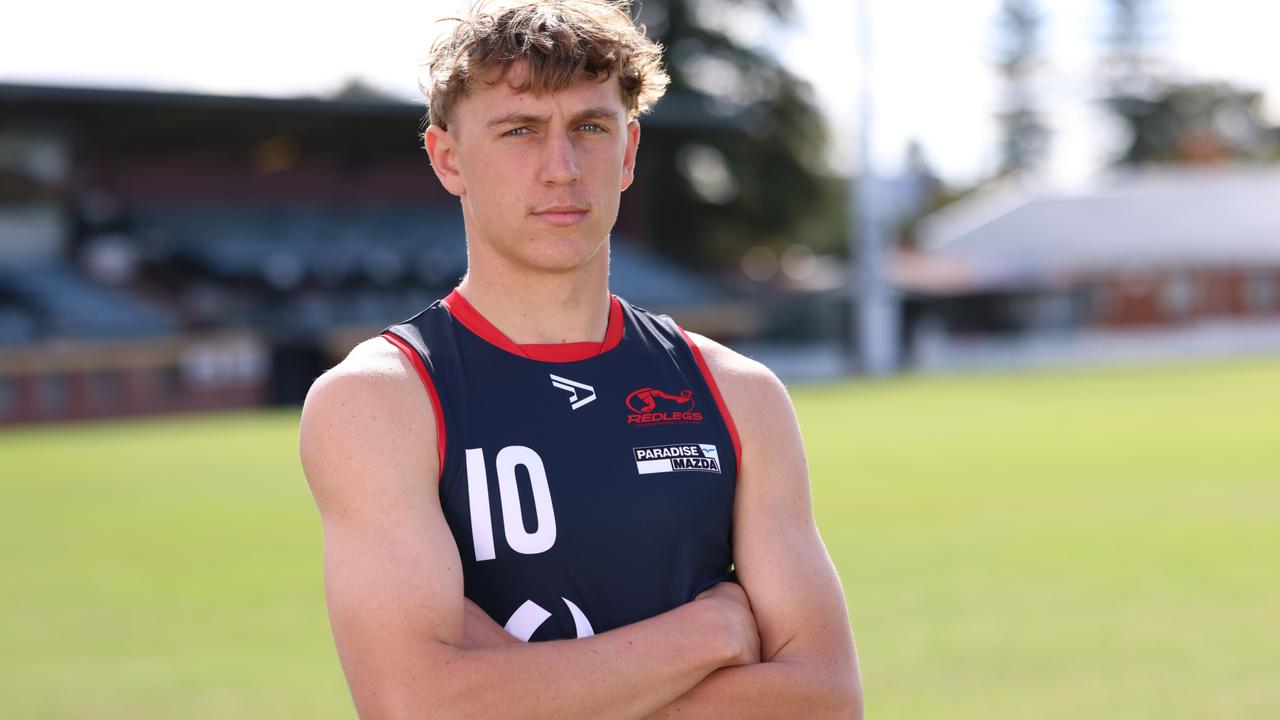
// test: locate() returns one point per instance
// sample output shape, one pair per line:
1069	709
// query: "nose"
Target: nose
560	162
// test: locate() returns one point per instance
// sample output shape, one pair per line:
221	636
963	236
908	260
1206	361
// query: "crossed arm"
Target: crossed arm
412	647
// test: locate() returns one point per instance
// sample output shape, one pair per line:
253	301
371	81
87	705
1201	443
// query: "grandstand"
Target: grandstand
63	303
172	251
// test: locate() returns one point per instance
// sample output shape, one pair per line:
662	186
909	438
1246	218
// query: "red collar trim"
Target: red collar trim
548	352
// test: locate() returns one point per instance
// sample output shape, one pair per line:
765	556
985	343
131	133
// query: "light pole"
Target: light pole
875	323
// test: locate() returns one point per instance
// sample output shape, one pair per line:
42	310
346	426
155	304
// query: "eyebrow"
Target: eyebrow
520	118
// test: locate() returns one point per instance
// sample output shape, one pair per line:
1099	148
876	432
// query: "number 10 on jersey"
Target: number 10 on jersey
520	540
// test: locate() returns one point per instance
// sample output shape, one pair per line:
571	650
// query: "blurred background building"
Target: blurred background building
1138	266
166	248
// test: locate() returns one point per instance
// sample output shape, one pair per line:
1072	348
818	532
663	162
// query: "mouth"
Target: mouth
562	215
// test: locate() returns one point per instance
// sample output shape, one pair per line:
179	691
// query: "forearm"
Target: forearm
629	672
775	689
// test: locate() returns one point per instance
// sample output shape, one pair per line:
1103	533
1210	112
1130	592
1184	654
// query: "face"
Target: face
539	176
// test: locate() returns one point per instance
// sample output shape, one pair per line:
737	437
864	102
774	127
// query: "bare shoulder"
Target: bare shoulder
748	386
368	419
374	375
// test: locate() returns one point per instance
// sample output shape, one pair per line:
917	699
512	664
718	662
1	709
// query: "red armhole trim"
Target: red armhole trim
412	354
715	392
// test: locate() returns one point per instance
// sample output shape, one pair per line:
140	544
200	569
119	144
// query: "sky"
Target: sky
933	76
932	61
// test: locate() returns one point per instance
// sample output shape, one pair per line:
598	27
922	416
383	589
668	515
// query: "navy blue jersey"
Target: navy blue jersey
588	485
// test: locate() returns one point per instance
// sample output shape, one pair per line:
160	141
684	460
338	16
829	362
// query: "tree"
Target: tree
356	89
1024	134
733	156
1128	65
1171	120
1195	123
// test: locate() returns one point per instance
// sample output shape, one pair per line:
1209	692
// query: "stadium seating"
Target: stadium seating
287	247
17	325
55	300
286	270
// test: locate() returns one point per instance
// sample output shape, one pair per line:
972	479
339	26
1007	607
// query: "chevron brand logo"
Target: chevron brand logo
579	393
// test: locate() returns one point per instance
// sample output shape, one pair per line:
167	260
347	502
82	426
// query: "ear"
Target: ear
629	159
442	149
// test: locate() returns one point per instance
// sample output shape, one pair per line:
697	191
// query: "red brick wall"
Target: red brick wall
76	382
1153	298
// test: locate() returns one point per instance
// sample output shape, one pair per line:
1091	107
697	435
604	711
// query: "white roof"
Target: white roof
1174	217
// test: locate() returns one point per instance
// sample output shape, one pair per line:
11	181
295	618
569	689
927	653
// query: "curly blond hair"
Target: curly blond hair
560	42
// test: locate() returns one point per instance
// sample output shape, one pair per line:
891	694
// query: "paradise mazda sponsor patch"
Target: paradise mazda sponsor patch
675	458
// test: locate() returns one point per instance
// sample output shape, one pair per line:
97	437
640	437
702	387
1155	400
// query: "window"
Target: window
51	396
1261	292
8	398
104	391
1177	296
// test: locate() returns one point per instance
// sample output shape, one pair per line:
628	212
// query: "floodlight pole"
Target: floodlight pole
875	323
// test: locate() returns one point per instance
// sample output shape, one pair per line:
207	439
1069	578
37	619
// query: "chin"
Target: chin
564	254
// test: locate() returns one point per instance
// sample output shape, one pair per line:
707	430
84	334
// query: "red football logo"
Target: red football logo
651	406
645	400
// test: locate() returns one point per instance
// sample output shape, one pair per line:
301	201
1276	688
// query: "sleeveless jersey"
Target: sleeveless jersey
587	485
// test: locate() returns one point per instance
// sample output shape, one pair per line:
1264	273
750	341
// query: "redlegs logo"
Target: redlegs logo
651	406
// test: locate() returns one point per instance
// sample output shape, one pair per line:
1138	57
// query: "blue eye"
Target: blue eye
515	132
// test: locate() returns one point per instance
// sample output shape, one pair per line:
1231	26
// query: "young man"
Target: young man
535	496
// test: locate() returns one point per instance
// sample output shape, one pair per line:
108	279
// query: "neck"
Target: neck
532	307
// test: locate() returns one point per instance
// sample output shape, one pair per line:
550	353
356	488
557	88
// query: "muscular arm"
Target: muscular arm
809	667
393	580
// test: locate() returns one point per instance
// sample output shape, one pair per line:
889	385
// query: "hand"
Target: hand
479	630
733	608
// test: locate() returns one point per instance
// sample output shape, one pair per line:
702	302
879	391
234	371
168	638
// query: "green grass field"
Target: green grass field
1101	544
